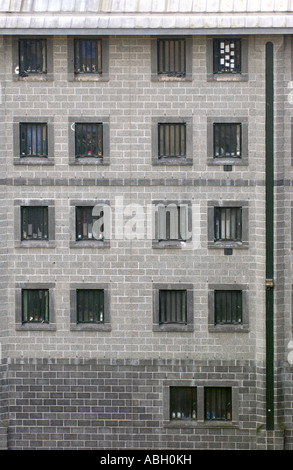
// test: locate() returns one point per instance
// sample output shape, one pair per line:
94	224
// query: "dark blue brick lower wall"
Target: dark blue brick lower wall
121	404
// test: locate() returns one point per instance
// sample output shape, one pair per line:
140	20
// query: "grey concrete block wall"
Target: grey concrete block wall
130	101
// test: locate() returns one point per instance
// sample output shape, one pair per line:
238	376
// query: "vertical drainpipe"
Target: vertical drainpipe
269	146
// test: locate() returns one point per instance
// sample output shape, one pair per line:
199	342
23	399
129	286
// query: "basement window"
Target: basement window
183	403
218	403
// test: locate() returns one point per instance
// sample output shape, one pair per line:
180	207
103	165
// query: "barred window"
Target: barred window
88	225
227	140
172	57
32	56
172	222
183	403
228	224
88	56
218	403
228	306
88	139
227	55
33	140
172	140
173	306
34	223
35	305
90	305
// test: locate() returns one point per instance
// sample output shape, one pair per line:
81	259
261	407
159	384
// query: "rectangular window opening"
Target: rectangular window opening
227	140
228	307
32	56
88	56
172	222
35	306
227	56
90	305
173	306
89	226
34	223
171	55
218	403
228	224
88	140
183	403
172	140
33	140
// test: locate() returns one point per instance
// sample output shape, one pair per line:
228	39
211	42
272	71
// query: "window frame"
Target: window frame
77	326
171	243
33	160
100	77
216	54
228	327
48	76
200	386
34	326
78	144
217	418
181	56
228	244
89	160
193	396
167	160
99	56
39	125
183	327
212	159
38	43
89	243
50	242
243	76
46	299
45	216
155	76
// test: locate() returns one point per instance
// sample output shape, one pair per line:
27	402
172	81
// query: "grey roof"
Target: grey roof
145	16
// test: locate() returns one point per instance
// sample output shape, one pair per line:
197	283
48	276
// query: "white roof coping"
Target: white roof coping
145	16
